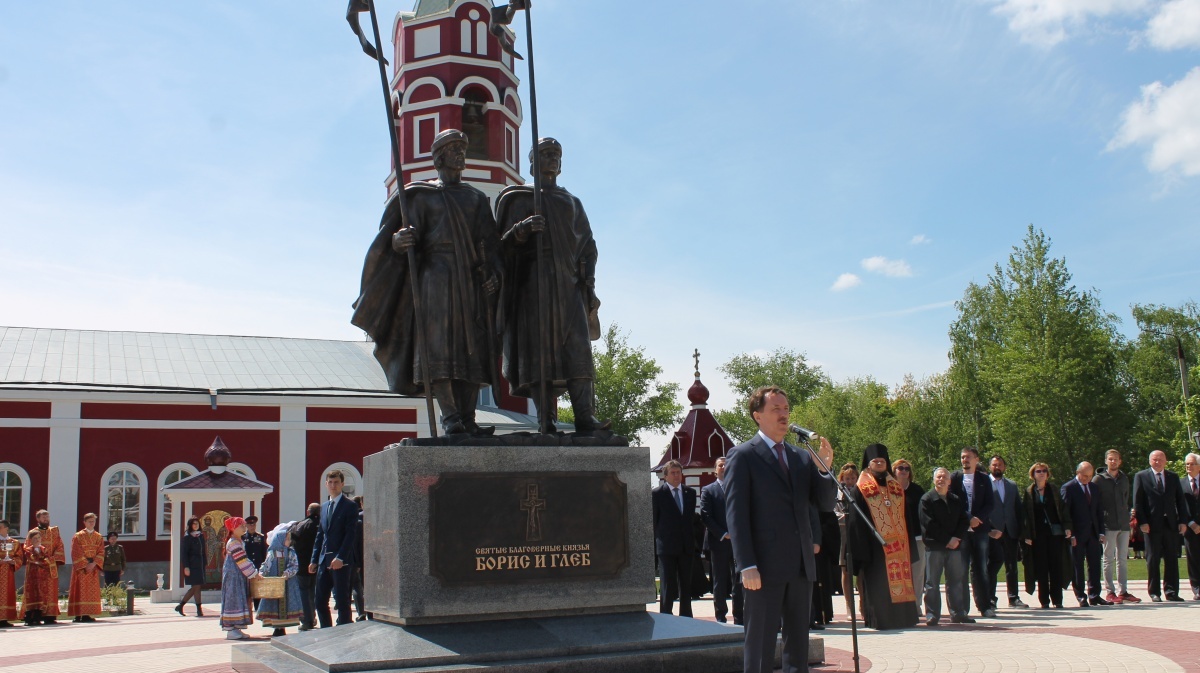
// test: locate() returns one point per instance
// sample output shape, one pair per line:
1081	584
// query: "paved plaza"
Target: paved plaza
1157	637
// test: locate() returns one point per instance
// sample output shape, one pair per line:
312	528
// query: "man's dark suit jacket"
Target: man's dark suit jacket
1151	505
1192	499
942	520
1007	515
712	513
1087	518
336	534
773	517
983	497
673	531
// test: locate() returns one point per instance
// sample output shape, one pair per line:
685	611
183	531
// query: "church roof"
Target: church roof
700	440
224	480
91	358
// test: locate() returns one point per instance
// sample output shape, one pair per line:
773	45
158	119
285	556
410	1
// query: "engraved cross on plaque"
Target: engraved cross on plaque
533	505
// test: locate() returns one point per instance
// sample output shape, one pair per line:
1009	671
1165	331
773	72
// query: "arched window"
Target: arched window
122	500
242	469
474	124
352	485
14	497
173	473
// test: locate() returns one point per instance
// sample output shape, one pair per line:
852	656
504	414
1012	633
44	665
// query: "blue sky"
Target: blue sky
217	167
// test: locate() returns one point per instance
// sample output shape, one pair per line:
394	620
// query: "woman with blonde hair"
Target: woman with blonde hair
1045	529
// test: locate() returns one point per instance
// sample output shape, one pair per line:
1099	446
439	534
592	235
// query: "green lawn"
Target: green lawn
1137	572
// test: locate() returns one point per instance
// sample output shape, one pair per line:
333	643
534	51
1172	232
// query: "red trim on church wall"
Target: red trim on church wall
152	451
29	448
24	410
178	412
360	415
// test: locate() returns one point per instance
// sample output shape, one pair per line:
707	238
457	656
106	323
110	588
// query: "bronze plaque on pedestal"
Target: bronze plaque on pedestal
515	527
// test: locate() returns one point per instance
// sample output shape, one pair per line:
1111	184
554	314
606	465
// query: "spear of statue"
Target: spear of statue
355	8
502	16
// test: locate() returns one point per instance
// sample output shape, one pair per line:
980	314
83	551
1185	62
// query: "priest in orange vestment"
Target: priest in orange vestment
55	555
12	557
87	555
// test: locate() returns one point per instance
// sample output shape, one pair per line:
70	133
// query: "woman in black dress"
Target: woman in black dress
193	560
1046	526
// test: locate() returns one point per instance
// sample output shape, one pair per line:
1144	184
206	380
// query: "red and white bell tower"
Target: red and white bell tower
450	72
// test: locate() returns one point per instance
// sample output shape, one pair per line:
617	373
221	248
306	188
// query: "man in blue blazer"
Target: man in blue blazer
771	503
674	507
720	548
974	488
333	551
1082	499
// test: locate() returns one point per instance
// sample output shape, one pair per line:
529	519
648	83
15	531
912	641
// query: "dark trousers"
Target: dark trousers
975	548
112	577
727	582
338	582
1087	549
1191	542
1003	553
829	571
359	603
1162	547
787	602
676	572
1048	568
308	615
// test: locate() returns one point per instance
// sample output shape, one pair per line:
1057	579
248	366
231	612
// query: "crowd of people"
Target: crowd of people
956	538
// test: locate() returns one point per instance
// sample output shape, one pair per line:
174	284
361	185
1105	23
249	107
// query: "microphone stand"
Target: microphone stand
849	556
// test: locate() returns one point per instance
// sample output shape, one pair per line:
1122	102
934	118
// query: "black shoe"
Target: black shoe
1155	599
1016	603
199	611
962	620
1096	600
278	632
989	613
1174	598
932	621
87	619
1045	606
816	626
179	609
1083	602
1058	606
4	623
77	620
49	620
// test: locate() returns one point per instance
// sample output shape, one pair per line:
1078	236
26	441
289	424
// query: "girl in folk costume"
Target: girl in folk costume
281	613
87	555
36	598
12	557
236	610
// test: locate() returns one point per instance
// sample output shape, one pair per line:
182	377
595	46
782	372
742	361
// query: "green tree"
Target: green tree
851	414
1039	364
1165	334
782	367
926	428
628	390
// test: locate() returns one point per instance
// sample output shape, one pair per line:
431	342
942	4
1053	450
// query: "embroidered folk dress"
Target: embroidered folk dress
83	597
12	549
236	609
281	562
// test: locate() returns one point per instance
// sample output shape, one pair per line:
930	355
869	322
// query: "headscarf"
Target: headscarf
277	531
876	451
233	522
274	566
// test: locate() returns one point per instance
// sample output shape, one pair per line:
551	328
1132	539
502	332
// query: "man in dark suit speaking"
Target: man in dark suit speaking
333	551
771	501
720	548
674	507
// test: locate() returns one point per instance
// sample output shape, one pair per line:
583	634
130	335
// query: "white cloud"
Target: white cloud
1176	25
1167	118
896	268
920	239
845	282
1045	22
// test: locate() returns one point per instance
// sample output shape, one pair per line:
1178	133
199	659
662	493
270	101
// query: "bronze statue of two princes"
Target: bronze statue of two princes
482	292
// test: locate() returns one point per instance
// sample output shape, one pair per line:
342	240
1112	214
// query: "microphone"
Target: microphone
803	433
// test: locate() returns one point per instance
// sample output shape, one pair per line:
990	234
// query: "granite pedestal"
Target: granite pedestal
521	559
